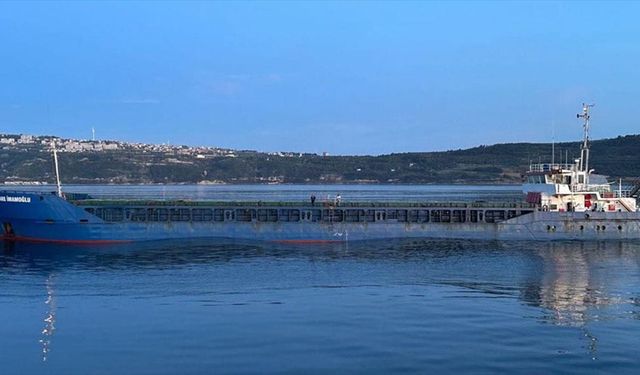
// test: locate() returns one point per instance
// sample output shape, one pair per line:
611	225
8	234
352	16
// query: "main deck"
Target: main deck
291	211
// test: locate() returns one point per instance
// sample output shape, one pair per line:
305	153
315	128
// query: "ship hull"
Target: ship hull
48	218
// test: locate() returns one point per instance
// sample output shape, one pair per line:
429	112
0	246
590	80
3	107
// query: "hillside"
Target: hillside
501	163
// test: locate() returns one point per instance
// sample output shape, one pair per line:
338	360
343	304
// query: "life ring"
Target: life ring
545	208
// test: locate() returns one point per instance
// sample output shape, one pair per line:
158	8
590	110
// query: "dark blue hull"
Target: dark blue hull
48	218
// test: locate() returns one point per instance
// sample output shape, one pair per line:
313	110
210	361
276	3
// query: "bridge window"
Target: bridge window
535	179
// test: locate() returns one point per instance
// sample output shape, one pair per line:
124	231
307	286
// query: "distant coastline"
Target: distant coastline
26	160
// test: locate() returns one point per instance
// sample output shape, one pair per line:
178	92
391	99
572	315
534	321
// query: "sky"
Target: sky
339	77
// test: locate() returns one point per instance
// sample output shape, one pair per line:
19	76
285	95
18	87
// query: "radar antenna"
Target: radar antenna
584	150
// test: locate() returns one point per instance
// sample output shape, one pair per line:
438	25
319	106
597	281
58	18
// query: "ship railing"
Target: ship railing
303	204
625	192
548	167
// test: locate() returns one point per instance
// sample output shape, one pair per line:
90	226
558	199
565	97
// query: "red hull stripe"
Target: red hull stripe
67	242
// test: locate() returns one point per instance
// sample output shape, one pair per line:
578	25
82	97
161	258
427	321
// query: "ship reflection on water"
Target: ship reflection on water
50	318
582	283
570	285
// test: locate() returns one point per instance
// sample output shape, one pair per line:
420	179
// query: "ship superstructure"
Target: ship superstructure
561	187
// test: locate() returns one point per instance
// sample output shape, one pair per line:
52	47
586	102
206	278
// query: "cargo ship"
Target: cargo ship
560	201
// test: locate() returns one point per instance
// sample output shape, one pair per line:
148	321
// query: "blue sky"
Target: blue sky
341	77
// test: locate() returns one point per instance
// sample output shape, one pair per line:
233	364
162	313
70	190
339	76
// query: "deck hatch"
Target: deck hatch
218	214
157	214
459	216
354	216
332	215
201	214
179	214
245	214
267	215
494	216
109	214
138	214
289	215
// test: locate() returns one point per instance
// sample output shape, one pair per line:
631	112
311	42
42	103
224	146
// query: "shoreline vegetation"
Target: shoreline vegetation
30	163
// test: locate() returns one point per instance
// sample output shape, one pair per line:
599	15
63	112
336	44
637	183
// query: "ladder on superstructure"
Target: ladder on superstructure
635	188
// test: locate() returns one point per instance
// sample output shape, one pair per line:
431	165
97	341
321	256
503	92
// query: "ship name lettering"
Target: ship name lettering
15	199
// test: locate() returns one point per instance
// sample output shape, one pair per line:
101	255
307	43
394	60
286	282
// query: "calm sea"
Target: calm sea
413	306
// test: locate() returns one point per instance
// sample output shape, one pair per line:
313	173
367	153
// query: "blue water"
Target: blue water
415	306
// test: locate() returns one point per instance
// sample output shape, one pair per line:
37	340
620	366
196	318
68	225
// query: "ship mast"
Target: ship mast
55	163
584	150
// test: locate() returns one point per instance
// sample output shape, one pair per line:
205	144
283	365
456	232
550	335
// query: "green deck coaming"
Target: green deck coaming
183	203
